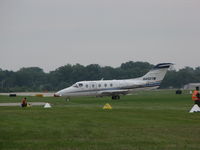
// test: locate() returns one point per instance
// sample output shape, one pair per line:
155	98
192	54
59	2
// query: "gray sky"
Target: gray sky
52	33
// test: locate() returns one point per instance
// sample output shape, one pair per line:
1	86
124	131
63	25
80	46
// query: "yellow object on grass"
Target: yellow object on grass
39	95
107	106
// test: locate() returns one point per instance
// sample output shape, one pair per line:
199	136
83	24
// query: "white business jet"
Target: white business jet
115	88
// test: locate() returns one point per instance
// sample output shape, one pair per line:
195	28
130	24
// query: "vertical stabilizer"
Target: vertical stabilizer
157	74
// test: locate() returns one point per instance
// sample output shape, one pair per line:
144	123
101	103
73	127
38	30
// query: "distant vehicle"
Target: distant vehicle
115	88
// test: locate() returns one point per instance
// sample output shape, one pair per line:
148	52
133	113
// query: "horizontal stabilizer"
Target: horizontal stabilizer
162	65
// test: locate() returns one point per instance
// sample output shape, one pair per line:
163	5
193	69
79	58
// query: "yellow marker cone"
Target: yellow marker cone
107	106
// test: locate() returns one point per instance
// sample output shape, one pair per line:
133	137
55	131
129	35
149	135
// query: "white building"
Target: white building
191	86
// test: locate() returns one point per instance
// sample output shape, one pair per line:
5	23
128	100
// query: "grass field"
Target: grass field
156	120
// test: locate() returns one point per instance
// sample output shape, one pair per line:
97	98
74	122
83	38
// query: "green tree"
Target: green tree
35	79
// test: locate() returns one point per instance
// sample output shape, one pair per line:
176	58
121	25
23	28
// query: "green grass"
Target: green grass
145	121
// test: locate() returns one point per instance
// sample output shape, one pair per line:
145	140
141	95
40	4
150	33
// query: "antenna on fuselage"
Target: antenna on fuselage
102	79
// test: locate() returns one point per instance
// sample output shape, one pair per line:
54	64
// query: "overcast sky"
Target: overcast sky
52	33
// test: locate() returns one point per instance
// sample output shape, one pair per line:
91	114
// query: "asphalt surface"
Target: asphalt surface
19	104
45	94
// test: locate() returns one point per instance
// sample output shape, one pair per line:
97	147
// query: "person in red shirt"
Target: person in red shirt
196	96
24	102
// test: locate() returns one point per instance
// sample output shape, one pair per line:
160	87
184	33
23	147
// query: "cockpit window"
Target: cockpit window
80	84
75	85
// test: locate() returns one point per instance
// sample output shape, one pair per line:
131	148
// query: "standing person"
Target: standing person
24	102
196	96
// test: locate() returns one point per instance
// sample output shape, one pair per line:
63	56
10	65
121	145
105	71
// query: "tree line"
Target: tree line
35	79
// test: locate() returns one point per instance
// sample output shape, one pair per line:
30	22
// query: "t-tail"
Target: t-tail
155	76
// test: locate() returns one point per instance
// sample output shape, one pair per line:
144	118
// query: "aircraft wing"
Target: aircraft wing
113	92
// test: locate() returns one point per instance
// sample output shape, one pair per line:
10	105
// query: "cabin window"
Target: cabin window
111	84
105	85
92	85
99	85
80	84
86	86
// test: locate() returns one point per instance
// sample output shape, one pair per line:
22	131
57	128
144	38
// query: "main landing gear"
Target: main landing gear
115	97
